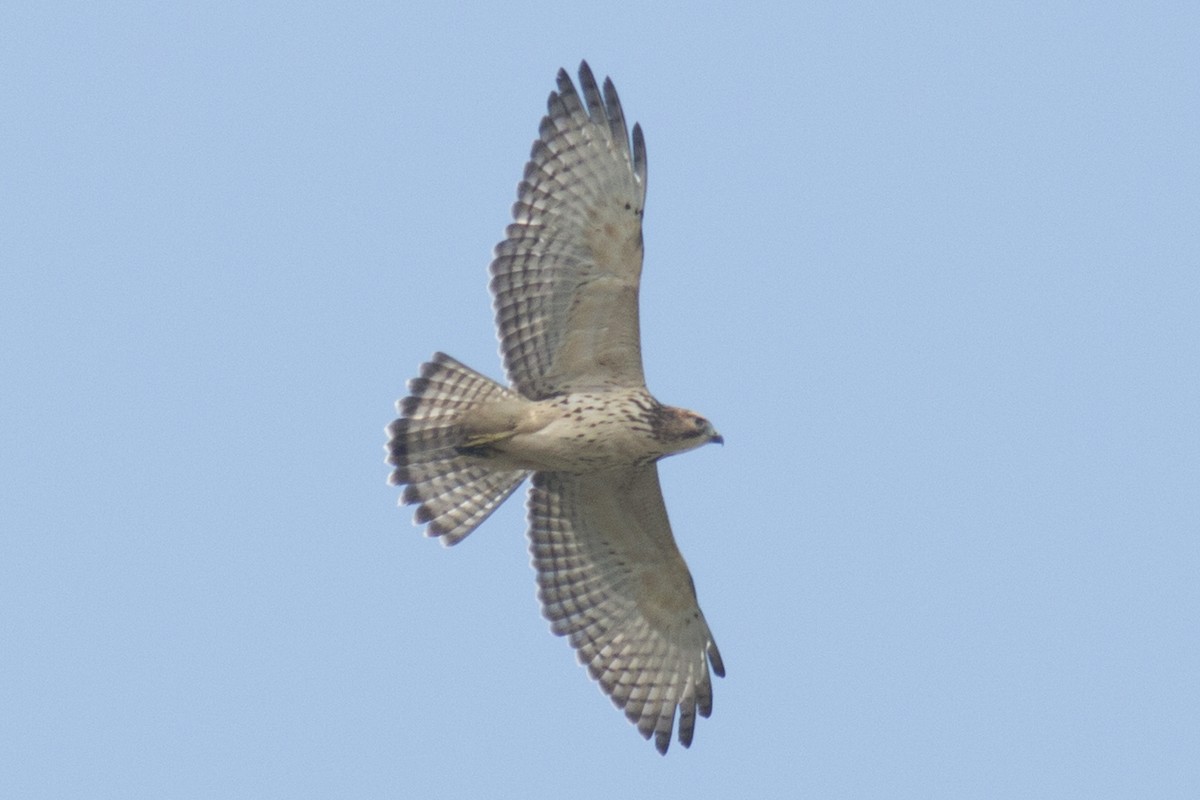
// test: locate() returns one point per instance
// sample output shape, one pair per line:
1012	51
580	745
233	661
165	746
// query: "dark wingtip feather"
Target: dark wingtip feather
714	658
685	734
546	128
586	78
591	94
566	89
616	116
639	153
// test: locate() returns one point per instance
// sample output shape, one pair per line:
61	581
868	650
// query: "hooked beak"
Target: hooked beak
717	438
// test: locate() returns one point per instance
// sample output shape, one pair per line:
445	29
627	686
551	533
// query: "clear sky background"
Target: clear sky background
933	271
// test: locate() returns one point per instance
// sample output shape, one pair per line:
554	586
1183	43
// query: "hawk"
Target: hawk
578	418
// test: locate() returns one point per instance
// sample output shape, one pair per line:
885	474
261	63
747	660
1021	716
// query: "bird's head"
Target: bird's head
684	430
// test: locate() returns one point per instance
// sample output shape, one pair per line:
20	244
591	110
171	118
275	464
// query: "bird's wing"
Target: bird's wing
612	580
565	280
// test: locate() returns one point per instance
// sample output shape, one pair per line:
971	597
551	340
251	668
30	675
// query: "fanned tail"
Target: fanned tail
455	489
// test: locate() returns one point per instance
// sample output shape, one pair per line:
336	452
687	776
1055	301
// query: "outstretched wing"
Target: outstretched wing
612	580
565	280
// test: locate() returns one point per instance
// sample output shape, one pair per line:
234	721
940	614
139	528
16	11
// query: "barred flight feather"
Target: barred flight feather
454	492
588	543
582	179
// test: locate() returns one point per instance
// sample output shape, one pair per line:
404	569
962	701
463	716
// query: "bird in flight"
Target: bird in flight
577	417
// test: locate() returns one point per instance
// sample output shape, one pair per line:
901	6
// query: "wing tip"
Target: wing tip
715	660
586	76
639	155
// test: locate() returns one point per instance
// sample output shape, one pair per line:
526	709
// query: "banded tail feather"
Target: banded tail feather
454	489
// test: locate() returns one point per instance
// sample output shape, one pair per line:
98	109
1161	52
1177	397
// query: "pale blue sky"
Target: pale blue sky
933	271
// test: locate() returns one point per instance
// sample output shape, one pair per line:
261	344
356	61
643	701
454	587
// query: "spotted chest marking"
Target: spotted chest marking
591	431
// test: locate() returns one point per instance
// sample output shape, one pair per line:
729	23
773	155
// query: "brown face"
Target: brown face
681	425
